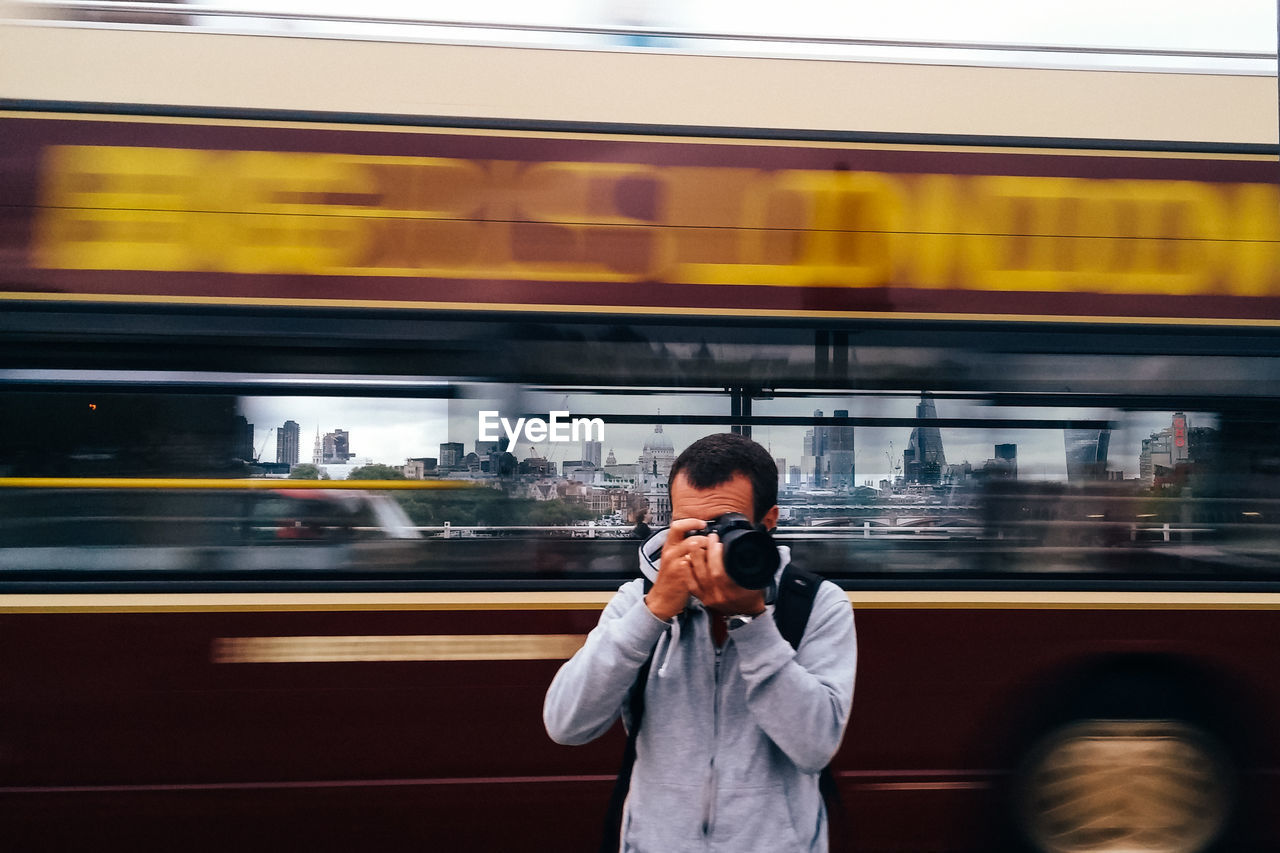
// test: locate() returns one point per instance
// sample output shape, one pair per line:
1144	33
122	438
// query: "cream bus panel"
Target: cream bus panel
656	89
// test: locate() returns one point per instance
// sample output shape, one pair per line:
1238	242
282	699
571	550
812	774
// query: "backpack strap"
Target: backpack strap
794	603
612	838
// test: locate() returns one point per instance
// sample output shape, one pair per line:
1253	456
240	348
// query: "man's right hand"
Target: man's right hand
678	569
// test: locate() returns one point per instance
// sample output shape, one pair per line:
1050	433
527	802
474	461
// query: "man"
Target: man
641	530
737	725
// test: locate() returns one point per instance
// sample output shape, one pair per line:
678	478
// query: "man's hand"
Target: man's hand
694	566
676	580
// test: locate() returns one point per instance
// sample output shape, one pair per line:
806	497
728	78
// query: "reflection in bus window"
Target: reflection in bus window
871	483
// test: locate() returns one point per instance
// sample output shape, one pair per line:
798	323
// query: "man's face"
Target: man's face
735	495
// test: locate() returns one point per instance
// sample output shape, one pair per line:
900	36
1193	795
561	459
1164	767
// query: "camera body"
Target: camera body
750	555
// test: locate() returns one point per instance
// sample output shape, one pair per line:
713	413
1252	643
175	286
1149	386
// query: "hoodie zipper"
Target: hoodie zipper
709	790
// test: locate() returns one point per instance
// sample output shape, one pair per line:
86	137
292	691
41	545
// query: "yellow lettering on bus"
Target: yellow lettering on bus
928	253
703	208
1186	223
812	228
264	212
591	221
284	213
120	208
1253	259
1107	236
429	218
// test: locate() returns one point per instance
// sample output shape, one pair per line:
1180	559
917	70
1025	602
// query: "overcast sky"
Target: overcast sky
1243	25
1224	25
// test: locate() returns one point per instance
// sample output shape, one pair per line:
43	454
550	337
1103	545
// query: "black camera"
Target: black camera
750	557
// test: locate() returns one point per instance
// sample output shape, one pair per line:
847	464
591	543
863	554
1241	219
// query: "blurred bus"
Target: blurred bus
1036	309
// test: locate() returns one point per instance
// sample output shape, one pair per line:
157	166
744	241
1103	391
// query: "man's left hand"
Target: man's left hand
717	591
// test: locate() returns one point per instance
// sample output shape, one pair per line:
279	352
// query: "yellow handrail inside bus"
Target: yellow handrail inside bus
221	483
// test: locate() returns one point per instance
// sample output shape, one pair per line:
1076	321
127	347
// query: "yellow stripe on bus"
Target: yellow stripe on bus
214	483
638	310
384	647
1054	600
230	602
587	601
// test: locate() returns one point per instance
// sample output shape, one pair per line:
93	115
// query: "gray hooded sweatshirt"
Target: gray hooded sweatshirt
732	740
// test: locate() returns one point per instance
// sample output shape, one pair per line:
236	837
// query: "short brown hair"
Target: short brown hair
715	459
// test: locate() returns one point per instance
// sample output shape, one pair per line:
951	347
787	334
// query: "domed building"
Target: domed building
656	458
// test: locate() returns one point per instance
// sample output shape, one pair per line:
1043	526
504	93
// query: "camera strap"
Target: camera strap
792	606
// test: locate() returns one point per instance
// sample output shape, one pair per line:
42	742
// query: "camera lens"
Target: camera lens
750	558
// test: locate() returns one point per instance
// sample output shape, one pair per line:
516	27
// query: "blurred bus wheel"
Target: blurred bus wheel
1123	786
